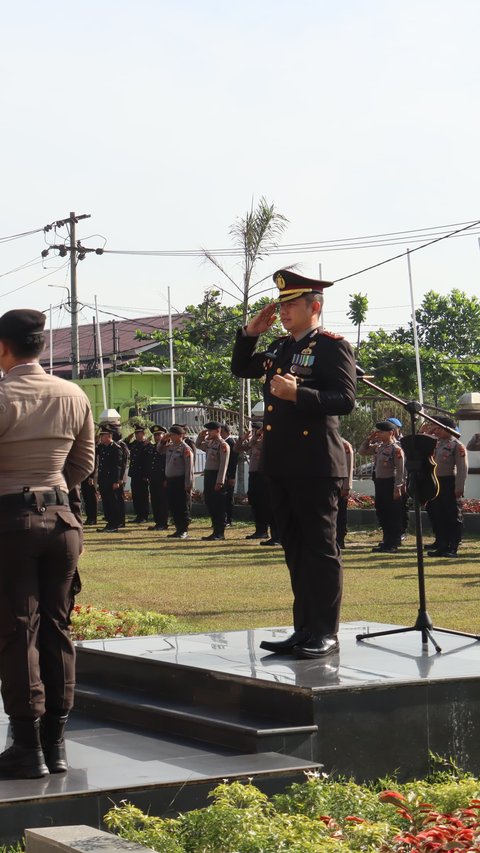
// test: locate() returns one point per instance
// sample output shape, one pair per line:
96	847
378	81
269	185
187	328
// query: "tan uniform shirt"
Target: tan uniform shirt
347	483
253	447
451	458
389	460
218	452
179	462
46	431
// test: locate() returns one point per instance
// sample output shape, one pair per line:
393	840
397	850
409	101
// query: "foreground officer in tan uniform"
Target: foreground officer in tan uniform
46	448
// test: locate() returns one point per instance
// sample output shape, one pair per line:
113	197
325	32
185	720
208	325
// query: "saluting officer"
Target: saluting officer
389	482
109	477
179	476
217	454
139	469
231	474
445	511
310	378
158	482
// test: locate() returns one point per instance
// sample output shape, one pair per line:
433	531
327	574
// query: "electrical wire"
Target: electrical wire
22	286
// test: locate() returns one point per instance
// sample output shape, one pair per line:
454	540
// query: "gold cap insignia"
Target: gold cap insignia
280	281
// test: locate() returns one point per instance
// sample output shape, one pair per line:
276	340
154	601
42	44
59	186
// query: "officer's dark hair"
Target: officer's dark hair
30	347
314	297
225	428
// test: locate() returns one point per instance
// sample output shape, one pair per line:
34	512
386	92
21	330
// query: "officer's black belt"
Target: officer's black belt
28	499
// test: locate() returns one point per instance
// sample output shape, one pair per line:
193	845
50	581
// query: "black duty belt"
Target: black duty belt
34	499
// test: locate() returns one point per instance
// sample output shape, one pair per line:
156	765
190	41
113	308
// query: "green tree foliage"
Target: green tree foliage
448	324
448	329
202	350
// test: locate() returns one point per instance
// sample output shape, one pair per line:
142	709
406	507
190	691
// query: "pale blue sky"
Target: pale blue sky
163	118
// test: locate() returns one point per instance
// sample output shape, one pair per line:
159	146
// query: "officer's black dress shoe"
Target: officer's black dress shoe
437	552
179	534
449	553
107	529
432	547
270	542
317	647
257	536
90	521
284	647
214	537
158	527
384	549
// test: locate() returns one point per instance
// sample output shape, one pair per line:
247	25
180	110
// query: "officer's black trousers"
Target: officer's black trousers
215	501
178	500
39	554
140	497
111	499
159	501
89	495
306	514
259	500
389	511
229	495
446	516
342	520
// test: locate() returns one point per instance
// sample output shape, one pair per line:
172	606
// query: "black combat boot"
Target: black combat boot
53	742
24	759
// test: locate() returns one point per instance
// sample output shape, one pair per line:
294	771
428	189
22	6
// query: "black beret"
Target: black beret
213	425
21	323
384	426
449	422
176	429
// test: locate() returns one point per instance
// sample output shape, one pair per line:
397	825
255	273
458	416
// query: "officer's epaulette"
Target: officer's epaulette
331	335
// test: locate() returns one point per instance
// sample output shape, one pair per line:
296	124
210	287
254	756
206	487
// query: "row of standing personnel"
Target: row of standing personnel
391	499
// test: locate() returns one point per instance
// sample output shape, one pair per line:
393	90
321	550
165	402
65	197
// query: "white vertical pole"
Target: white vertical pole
415	336
170	350
100	357
51	342
322	315
249	402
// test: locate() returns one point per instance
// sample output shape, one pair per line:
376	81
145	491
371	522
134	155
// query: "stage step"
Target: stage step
222	726
193	686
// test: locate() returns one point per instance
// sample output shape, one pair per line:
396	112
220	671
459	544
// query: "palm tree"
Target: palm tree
358	307
254	235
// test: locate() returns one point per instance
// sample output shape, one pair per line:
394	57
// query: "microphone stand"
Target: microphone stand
423	622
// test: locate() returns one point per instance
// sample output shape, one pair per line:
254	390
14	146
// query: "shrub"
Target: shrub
90	623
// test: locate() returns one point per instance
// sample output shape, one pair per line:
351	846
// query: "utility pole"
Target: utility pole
77	253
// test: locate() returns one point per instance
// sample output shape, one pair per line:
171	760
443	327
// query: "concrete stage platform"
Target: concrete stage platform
159	720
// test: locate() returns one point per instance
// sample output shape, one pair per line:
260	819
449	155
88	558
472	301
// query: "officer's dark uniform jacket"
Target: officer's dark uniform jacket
302	437
110	464
140	459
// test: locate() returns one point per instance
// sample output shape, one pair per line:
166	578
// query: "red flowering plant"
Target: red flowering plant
471	505
430	831
92	623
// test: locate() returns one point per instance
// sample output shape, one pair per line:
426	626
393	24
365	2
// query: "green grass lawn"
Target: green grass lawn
221	586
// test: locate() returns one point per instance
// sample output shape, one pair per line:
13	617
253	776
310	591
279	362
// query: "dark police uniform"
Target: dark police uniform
139	470
257	486
230	479
109	474
303	457
46	448
89	495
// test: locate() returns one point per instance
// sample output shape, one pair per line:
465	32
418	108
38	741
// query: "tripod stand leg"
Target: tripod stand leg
427	635
456	633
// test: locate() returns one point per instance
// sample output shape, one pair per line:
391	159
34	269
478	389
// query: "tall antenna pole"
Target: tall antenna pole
170	350
414	327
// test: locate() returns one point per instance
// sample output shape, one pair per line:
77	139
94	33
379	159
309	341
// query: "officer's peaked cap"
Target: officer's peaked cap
21	324
384	426
106	430
291	285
